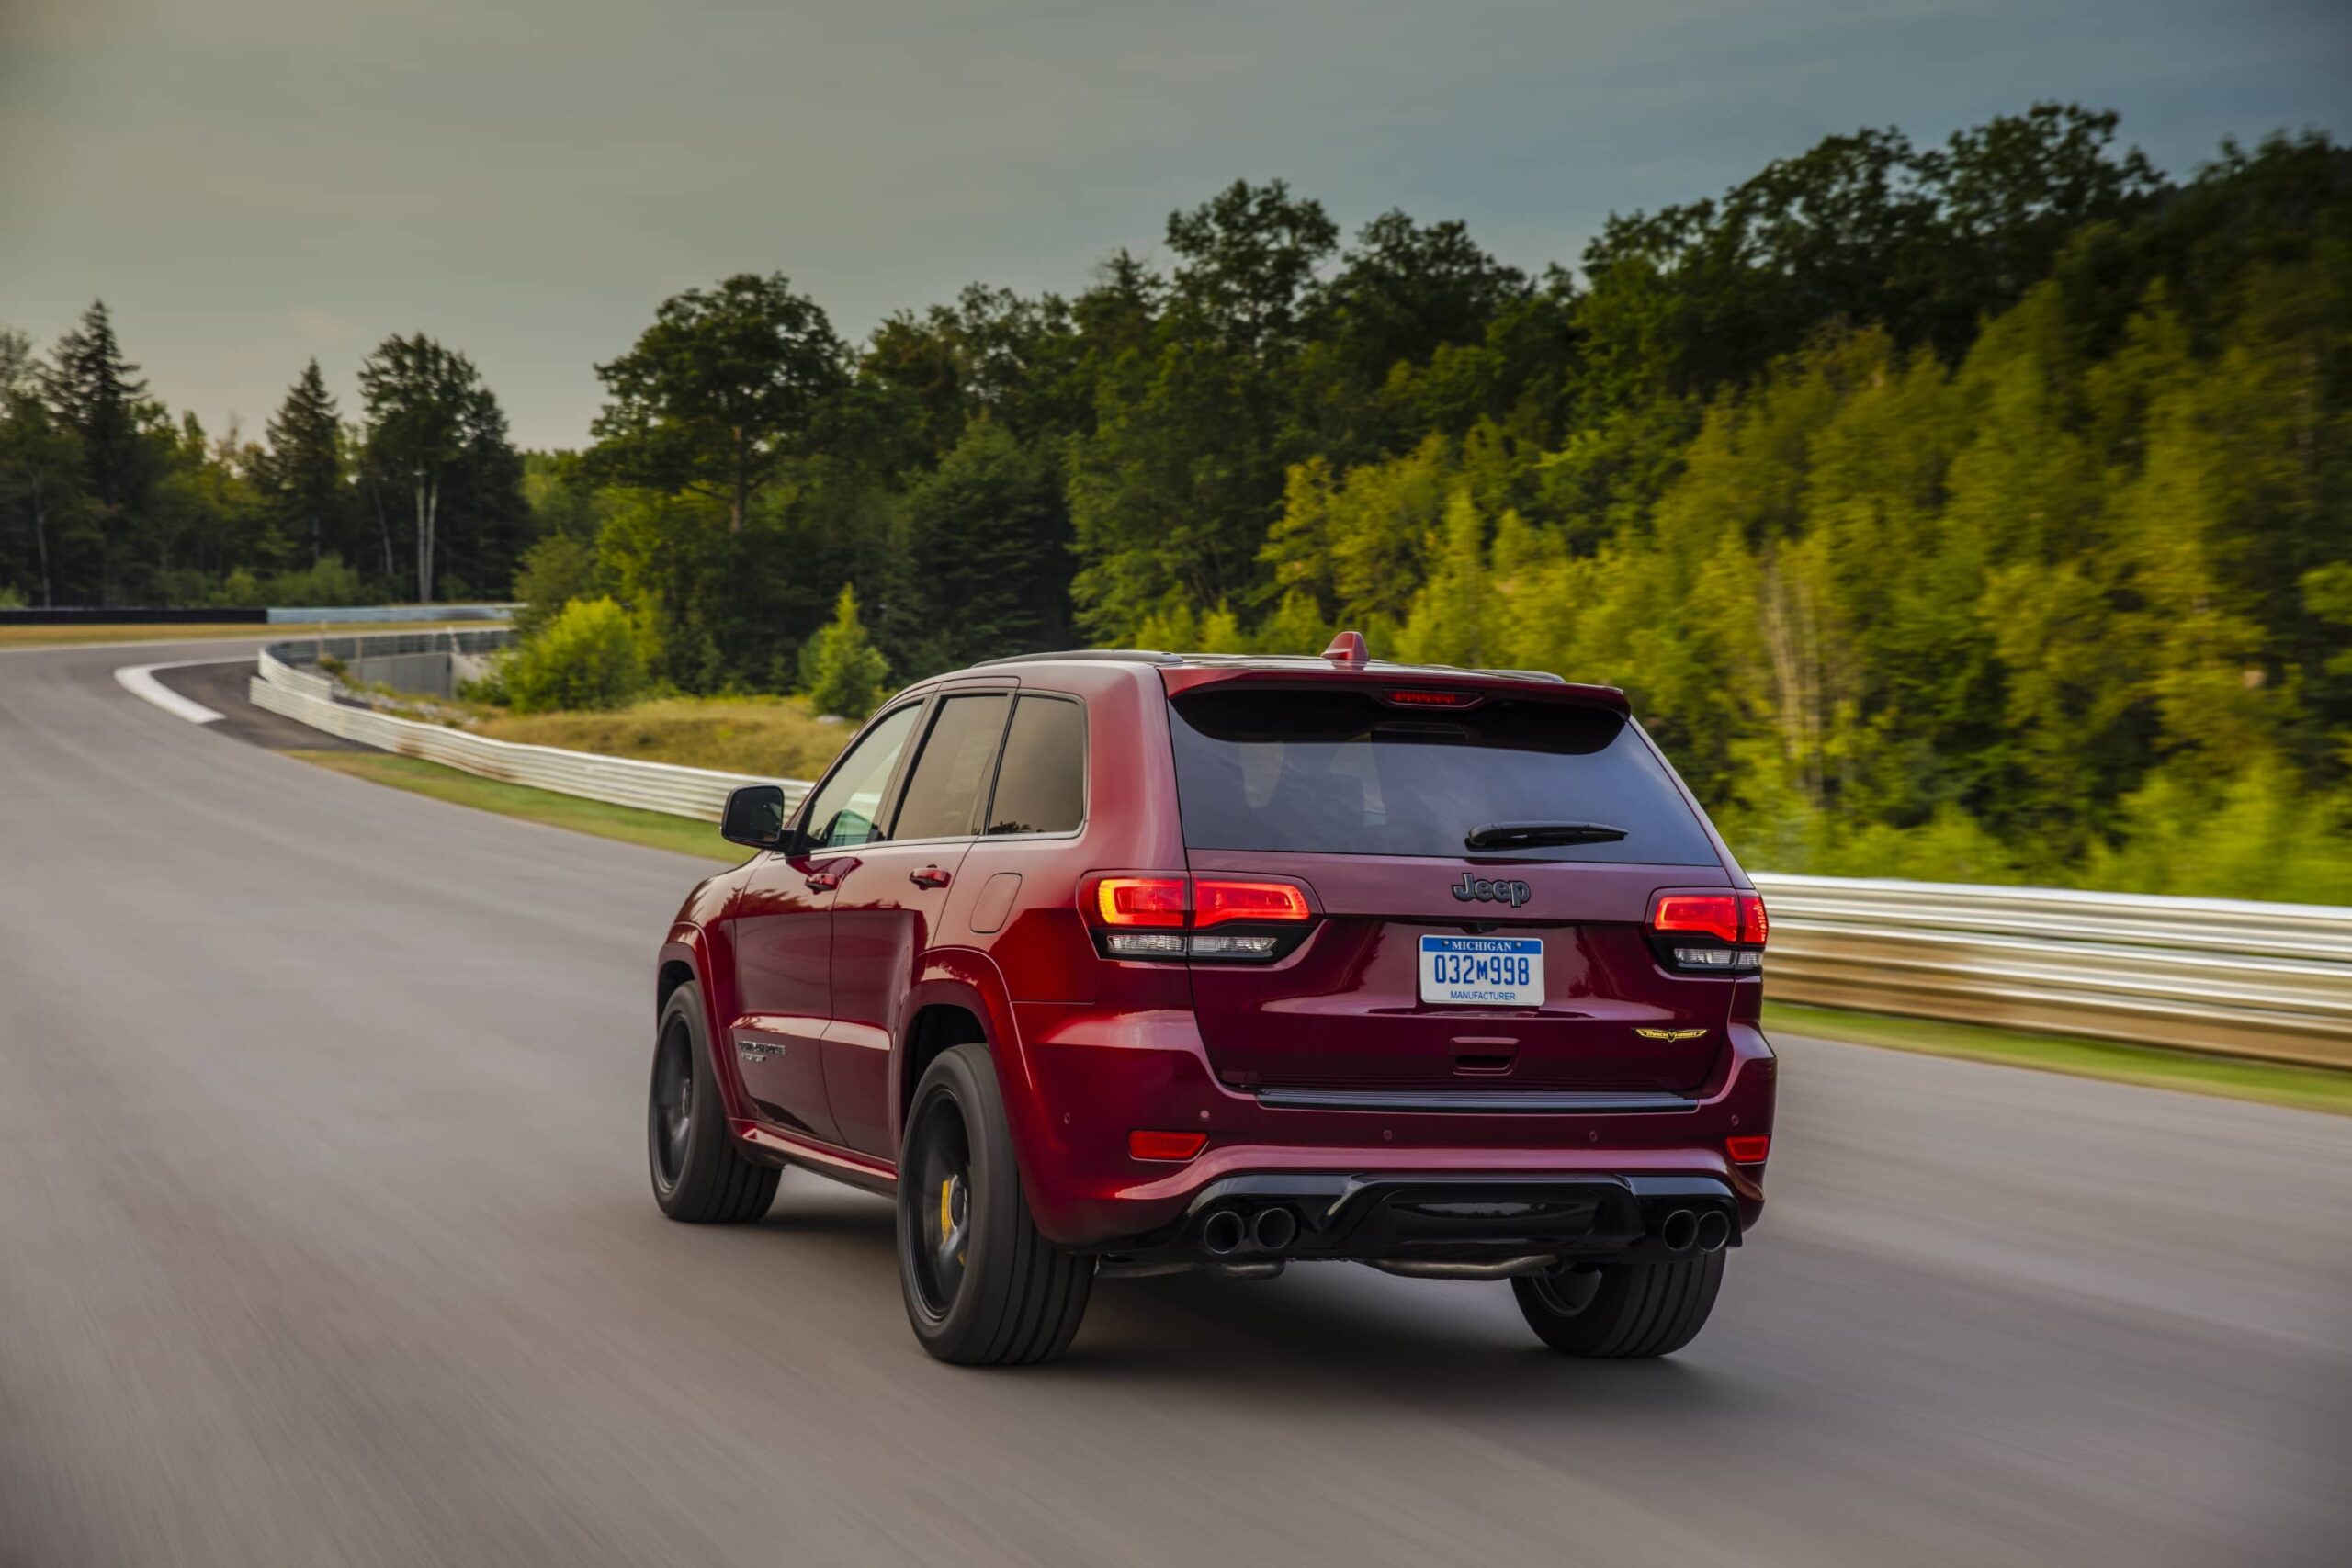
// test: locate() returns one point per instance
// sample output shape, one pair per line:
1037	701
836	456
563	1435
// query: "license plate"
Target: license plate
1482	970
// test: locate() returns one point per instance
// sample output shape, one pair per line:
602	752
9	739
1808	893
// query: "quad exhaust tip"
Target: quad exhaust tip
1223	1232
1683	1229
1226	1231
1274	1229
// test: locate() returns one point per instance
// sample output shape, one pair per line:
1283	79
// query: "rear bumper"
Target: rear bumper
1363	1169
1446	1218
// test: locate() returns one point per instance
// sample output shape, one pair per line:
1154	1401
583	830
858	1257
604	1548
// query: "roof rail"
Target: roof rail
1090	655
1305	660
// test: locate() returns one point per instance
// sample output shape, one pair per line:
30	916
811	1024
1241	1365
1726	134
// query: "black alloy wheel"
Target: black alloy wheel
700	1174
942	1192
983	1285
673	1102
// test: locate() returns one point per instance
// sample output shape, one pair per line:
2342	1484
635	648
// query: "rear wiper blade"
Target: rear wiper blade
1518	835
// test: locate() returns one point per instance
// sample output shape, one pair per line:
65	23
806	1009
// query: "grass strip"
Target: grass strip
2270	1083
654	829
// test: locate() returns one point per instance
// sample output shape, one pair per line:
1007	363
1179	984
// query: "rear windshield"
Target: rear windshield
1341	772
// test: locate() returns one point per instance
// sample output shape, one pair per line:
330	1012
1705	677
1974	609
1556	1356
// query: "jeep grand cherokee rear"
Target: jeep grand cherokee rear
1441	971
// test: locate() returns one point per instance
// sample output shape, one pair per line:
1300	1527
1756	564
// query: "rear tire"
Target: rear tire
1635	1310
699	1174
982	1286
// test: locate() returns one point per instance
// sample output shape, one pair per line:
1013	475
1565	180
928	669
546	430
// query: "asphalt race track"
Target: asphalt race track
324	1238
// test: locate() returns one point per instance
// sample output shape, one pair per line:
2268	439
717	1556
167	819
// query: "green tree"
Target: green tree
1172	492
1247	265
719	392
436	433
42	473
301	473
988	543
96	393
843	671
1860	228
587	659
555	571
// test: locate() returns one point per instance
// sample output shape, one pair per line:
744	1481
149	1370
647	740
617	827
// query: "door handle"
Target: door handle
929	876
824	881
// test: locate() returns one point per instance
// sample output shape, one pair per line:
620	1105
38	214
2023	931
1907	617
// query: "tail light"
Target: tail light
1748	1148
1165	917
1710	932
1141	900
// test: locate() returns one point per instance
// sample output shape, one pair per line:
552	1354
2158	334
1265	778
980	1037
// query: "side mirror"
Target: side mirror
754	816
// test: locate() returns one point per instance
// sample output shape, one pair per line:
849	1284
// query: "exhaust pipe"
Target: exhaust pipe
1131	1269
1682	1229
1714	1230
1223	1231
1430	1269
1274	1229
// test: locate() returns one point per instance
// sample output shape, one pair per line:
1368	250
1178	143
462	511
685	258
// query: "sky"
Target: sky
250	183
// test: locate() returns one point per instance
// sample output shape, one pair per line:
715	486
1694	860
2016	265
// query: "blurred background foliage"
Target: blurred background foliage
1981	511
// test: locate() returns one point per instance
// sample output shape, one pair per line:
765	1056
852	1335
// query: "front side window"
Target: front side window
845	809
1041	785
942	793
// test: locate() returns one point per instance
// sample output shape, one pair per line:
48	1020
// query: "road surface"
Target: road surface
324	1238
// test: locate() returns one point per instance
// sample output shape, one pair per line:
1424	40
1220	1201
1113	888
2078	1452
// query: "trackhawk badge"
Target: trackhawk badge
1669	1035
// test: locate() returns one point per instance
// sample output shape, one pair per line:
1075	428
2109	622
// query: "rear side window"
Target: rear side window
942	793
1341	772
1041	785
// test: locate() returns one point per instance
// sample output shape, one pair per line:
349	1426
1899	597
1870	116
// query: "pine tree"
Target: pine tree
301	475
96	393
845	671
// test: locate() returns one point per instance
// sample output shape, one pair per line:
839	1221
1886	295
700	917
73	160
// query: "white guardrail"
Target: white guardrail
359	615
283	685
2220	975
2224	975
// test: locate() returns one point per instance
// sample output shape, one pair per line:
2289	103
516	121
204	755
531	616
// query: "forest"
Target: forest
1979	510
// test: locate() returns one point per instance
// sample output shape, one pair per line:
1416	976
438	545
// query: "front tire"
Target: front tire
1630	1310
982	1286
699	1175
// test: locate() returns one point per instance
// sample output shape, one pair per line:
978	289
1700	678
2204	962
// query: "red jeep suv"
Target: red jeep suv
1117	963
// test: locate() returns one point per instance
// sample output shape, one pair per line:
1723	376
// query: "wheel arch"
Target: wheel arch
959	999
686	956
